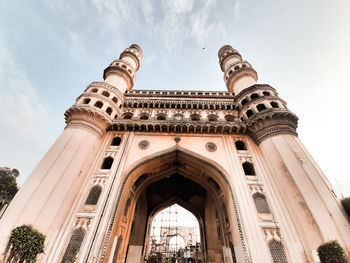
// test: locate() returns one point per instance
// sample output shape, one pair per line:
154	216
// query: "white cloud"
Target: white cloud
19	101
179	6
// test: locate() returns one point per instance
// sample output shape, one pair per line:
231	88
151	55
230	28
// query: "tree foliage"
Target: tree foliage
331	252
24	245
8	184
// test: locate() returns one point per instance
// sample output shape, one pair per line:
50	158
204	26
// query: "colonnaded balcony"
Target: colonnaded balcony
174	237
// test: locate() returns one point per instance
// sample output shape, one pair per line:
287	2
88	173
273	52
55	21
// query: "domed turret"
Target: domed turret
239	74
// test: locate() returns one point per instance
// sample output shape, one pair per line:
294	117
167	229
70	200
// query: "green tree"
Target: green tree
24	245
331	252
8	184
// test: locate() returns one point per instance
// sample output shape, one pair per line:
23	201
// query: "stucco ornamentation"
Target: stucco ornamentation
211	147
143	145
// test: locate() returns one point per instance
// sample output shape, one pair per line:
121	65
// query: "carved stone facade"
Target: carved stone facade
233	159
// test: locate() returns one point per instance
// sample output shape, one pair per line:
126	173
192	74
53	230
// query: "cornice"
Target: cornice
255	87
87	116
186	126
105	85
271	123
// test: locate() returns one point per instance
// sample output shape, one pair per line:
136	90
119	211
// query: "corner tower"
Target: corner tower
304	190
49	193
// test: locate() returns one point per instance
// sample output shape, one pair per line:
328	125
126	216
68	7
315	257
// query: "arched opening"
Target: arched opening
98	104
254	96
107	163
249	113
144	116
161	182
261	107
174	236
86	101
127	116
240	146
261	204
212	117
195	117
161	117
94	195
274	104
109	110
116	141
248	168
230	118
105	93
73	246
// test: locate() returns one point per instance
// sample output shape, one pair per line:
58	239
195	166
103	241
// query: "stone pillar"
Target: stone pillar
308	196
47	195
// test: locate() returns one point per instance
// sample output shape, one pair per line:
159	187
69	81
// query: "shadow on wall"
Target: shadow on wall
346	203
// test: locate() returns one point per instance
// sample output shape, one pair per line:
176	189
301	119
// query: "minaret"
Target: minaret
121	73
45	199
305	191
101	101
239	74
259	105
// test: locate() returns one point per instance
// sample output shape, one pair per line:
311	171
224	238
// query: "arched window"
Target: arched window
73	246
116	141
261	107
127	116
266	93
240	146
230	118
98	104
109	110
107	163
249	113
86	101
254	96
195	117
244	102
161	117
115	100
248	168
277	252
126	209
261	204
93	195
212	117
105	93
144	116
94	90
274	104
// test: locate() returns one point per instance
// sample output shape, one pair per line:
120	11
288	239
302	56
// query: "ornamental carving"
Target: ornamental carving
211	147
143	145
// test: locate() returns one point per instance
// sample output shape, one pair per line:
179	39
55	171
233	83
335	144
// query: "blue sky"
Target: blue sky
50	50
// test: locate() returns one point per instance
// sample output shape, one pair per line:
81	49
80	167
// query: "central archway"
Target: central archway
182	178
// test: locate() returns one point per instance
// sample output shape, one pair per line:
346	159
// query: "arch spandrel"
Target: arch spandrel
196	146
